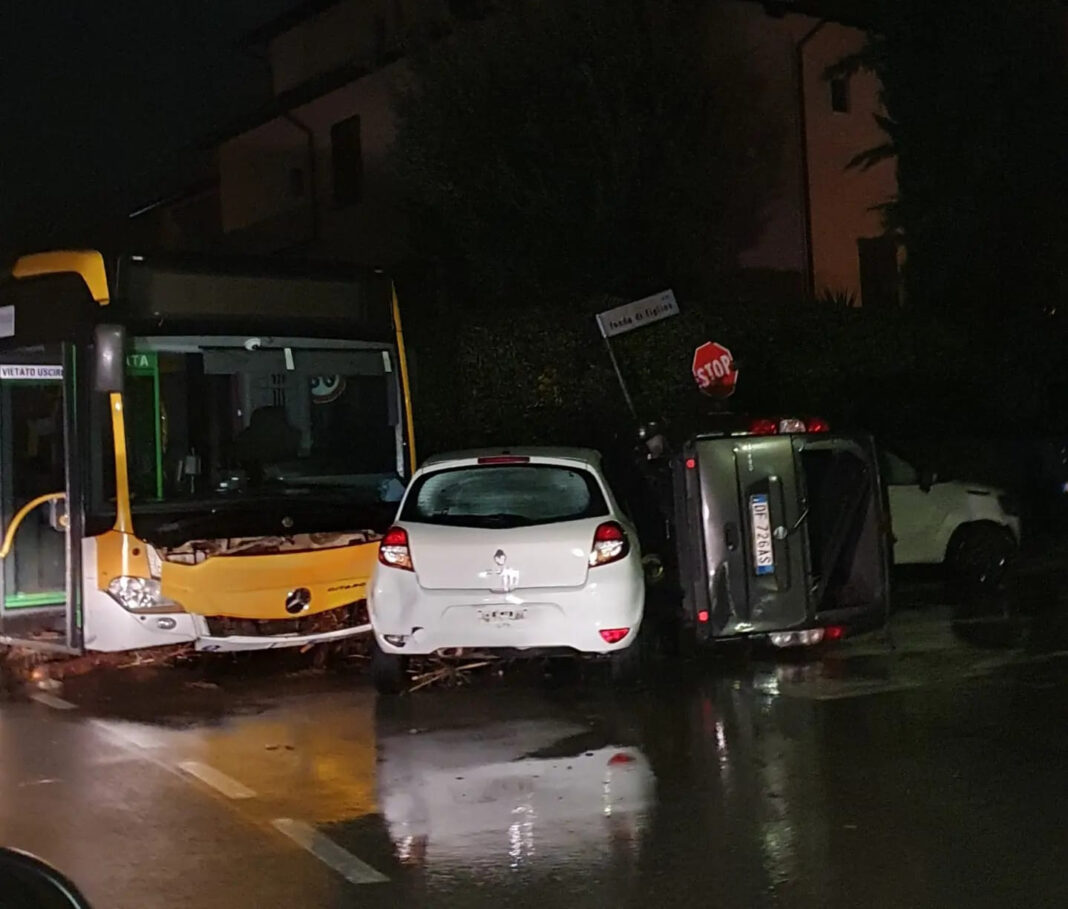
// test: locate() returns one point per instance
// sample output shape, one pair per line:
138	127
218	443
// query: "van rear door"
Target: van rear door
848	530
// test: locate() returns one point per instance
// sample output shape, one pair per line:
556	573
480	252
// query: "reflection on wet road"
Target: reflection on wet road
927	773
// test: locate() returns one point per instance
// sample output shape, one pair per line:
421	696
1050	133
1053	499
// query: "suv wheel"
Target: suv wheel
980	554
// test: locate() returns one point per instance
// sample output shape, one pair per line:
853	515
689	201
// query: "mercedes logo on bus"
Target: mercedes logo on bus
298	600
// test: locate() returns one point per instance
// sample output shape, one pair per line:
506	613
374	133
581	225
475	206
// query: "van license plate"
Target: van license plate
763	552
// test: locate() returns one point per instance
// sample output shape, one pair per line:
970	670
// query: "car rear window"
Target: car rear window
504	496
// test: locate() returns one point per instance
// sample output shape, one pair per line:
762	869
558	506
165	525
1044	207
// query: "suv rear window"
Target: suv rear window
504	496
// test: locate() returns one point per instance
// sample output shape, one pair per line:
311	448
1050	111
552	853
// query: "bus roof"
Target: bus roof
205	294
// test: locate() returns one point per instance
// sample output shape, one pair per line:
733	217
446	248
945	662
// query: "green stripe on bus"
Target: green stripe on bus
28	600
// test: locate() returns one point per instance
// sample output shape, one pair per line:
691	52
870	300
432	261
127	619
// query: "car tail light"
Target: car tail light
393	551
833	633
614	635
702	616
791	425
620	757
610	544
504	459
817	424
763	427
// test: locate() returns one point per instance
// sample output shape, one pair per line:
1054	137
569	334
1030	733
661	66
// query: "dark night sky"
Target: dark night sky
101	96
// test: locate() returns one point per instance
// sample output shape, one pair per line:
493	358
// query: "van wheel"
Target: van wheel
389	671
980	554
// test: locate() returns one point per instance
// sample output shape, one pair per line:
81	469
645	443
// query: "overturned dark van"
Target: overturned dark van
778	529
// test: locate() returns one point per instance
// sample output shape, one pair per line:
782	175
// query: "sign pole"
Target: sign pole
619	375
628	317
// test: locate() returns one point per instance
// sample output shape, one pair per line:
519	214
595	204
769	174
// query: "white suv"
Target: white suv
972	528
523	552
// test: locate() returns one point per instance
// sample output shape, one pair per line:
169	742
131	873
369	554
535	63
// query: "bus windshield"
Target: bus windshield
221	417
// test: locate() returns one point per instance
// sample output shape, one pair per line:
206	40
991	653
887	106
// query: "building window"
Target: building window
840	95
346	153
296	182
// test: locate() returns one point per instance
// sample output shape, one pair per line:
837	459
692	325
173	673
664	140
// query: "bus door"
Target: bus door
40	573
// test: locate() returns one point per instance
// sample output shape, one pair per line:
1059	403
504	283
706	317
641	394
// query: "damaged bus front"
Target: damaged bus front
229	441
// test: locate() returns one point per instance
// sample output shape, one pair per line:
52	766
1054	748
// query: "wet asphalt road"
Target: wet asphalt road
927	773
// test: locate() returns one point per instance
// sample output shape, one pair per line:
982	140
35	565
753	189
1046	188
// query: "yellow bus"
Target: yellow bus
195	450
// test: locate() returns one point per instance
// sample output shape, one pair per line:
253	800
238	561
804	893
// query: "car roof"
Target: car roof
586	456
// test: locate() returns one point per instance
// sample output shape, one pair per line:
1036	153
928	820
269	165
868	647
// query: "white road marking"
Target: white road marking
50	700
129	734
218	780
329	852
989	666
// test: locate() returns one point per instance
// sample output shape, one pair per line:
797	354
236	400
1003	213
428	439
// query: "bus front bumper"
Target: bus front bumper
232	643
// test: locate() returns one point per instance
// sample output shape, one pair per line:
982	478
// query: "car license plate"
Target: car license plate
510	614
763	552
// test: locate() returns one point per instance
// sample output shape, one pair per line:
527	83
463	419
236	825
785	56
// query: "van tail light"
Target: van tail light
808	637
764	426
393	551
610	544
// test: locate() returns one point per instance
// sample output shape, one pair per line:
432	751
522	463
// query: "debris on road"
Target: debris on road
24	666
449	673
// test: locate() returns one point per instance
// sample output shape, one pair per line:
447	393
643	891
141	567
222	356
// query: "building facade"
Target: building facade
309	172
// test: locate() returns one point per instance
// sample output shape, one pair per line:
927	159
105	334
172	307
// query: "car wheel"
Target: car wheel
625	666
980	554
388	671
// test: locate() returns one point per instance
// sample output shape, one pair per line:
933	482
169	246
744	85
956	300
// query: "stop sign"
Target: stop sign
713	370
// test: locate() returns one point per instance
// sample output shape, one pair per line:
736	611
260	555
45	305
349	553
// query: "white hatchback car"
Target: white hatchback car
523	552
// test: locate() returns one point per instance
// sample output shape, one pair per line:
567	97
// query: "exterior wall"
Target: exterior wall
255	171
262	209
274	196
354	32
842	199
771	50
188	222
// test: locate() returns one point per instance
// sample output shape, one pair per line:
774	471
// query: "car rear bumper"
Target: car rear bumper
410	620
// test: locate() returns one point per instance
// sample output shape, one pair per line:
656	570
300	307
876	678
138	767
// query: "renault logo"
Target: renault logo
298	600
499	557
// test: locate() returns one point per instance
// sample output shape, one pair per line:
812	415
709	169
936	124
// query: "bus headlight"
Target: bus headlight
141	595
